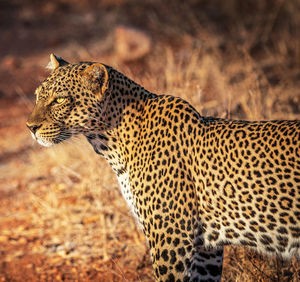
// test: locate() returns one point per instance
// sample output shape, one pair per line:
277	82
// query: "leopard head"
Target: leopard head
69	102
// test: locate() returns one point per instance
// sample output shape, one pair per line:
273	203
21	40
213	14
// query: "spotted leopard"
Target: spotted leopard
193	183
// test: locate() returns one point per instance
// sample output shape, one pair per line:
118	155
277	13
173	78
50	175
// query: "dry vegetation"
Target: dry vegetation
62	216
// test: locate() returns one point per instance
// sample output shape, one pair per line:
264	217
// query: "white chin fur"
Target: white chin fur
41	142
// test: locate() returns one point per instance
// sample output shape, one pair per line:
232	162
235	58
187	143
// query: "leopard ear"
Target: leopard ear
96	76
56	62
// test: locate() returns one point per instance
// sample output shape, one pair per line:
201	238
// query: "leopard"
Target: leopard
194	184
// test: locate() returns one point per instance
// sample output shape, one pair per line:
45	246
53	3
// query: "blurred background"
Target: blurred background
62	216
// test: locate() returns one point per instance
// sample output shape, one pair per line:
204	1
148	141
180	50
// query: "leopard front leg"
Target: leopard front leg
171	256
176	257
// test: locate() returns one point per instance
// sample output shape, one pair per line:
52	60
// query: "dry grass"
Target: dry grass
64	202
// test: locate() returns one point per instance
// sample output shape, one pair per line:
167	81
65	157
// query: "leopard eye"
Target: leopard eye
60	100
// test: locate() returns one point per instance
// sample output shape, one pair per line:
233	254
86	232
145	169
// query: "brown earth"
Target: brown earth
62	216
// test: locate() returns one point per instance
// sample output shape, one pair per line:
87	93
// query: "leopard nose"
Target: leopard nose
33	127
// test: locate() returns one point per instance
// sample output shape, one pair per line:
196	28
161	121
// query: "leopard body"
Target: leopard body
193	183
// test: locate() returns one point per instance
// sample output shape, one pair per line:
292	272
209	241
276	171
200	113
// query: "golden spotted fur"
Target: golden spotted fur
193	183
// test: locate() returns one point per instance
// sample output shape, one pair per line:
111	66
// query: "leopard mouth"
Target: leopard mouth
62	137
47	140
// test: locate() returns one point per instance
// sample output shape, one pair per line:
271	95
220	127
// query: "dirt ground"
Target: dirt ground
62	216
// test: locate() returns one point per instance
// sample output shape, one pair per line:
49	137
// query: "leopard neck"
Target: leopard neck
120	117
